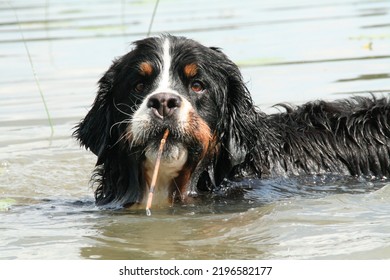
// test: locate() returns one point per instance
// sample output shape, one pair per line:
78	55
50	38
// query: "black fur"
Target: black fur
350	137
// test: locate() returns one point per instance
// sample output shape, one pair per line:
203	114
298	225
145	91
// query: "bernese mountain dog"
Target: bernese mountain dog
216	133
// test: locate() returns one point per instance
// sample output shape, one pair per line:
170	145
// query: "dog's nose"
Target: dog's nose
164	104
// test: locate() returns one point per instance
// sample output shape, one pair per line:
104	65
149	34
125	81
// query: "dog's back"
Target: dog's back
349	137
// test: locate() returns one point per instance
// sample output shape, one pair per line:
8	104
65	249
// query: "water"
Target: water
288	51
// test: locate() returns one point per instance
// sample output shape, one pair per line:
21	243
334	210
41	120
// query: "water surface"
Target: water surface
288	52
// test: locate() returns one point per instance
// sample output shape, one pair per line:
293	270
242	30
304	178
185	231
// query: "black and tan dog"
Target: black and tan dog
216	132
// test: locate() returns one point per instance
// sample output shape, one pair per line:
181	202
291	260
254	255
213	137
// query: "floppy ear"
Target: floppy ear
241	116
117	172
93	131
238	127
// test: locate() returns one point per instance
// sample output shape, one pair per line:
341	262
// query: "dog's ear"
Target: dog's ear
238	123
93	131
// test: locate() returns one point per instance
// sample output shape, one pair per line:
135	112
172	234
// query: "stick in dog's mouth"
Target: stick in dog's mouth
155	173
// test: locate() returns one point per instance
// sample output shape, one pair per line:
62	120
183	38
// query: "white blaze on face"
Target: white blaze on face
165	75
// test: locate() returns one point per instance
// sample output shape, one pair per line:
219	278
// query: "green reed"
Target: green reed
34	72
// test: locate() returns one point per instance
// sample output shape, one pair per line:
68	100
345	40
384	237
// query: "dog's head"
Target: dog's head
171	83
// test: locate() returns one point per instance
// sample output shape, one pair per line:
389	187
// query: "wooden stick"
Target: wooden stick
155	173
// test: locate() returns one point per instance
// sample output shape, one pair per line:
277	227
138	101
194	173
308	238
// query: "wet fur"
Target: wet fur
350	137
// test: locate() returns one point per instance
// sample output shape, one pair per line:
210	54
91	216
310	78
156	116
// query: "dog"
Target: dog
216	133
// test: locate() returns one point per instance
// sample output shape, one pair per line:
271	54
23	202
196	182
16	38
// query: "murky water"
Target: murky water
288	51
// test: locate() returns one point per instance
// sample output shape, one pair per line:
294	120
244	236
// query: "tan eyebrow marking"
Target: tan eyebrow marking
146	69
190	70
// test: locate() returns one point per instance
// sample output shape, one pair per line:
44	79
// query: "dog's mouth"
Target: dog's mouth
149	137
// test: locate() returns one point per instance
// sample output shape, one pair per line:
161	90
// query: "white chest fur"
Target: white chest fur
170	166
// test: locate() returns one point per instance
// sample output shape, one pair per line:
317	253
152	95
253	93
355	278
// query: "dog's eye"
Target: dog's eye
197	87
139	87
